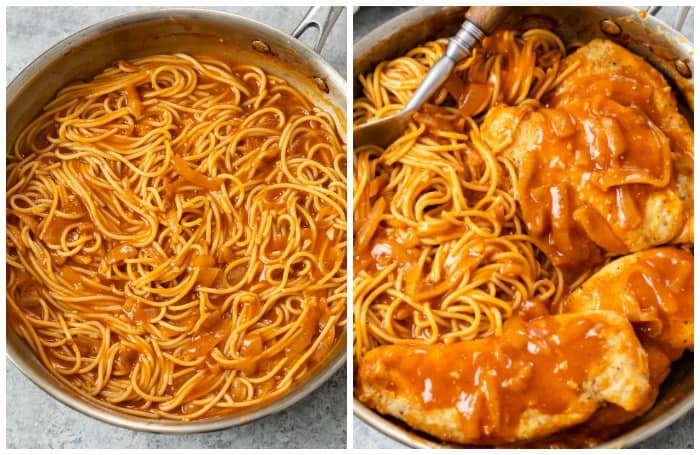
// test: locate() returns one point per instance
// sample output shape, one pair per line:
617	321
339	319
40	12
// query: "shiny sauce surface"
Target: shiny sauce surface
539	365
595	158
655	292
662	285
199	333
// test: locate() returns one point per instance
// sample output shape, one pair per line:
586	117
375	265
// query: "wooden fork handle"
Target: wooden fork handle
487	18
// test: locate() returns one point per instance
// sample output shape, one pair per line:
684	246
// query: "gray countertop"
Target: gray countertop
34	419
677	436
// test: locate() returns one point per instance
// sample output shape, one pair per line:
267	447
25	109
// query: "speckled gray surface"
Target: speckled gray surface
32	30
35	420
677	436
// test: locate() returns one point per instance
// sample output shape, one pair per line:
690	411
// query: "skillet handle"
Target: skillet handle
321	18
681	16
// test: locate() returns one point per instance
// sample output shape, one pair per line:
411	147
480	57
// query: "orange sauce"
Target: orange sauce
140	314
662	286
593	163
193	176
308	326
656	294
539	365
389	247
125	359
254	159
133	100
120	252
215	329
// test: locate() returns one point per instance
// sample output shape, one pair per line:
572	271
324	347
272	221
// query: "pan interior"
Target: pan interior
196	32
642	34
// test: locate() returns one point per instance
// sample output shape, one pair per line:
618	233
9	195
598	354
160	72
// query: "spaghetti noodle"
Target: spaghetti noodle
176	236
441	253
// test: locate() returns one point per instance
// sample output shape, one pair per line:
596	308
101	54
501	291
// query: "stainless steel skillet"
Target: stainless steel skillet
166	31
639	31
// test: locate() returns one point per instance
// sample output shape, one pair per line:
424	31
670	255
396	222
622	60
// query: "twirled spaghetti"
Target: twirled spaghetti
451	258
176	236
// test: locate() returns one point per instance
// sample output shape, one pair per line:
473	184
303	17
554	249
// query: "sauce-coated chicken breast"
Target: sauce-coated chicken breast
653	289
539	377
605	162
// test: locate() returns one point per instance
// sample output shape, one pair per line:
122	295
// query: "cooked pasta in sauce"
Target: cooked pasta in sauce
176	236
440	251
500	238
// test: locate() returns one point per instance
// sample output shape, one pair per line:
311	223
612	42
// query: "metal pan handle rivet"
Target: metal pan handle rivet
683	68
260	46
610	27
321	84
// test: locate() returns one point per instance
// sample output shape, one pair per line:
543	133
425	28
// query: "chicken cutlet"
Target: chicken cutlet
602	66
653	289
537	378
605	162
